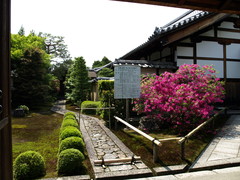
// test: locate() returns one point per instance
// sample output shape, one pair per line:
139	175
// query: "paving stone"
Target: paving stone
123	167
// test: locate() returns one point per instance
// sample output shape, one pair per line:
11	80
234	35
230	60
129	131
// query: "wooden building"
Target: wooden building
198	37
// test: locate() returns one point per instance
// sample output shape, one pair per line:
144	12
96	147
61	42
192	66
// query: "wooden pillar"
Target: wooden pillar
5	81
195	53
225	62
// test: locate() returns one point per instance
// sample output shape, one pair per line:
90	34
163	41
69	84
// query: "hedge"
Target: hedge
69	122
29	165
72	142
70	162
69	114
69	132
90	104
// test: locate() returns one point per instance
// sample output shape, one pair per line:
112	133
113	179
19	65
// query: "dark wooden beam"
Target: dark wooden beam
5	116
219	40
225	4
230	7
181	2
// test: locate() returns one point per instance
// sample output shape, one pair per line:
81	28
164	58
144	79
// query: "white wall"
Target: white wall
184	51
233	51
184	61
209	49
233	69
218	65
208	33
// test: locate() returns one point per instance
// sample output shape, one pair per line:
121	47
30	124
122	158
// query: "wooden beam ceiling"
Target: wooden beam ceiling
221	6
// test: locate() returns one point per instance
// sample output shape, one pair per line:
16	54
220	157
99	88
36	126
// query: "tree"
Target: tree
105	72
60	70
77	83
30	70
183	99
55	46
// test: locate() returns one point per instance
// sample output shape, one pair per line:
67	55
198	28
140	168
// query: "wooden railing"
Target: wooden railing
156	143
194	131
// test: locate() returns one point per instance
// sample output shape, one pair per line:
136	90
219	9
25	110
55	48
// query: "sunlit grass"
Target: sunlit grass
38	132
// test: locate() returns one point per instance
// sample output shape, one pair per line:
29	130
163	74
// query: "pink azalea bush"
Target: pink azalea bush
183	99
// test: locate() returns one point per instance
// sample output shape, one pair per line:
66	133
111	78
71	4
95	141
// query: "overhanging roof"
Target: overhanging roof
181	27
220	6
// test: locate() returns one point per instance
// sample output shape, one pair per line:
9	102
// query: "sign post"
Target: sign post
127	83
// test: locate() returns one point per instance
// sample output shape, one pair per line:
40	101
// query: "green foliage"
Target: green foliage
106	95
69	114
55	46
69	122
25	108
78	86
30	66
105	72
90	104
70	132
70	162
72	142
29	165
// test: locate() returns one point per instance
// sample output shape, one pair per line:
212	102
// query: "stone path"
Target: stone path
224	150
102	143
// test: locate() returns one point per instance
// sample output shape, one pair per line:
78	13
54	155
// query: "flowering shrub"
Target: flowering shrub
183	99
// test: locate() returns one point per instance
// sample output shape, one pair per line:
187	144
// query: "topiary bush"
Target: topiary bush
69	114
29	165
69	132
70	162
70	117
25	109
69	122
72	142
90	104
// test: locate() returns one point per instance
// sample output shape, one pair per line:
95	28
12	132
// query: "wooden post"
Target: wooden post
127	110
155	153
5	100
183	150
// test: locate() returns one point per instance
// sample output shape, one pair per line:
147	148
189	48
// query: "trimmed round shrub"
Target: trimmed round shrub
29	165
72	142
70	162
69	114
69	132
90	104
70	117
69	122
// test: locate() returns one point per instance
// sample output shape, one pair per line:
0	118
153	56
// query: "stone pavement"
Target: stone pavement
232	173
224	150
102	143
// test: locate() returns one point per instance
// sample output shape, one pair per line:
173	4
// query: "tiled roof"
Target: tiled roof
182	21
146	64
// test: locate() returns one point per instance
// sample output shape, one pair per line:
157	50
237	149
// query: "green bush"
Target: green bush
69	132
69	122
90	104
29	165
72	142
70	162
70	117
69	114
25	109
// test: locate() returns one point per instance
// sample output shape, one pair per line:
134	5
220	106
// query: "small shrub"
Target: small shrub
69	122
69	113
29	165
70	162
70	117
69	132
25	109
90	104
72	142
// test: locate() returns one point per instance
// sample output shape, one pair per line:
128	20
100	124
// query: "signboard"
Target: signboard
126	82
